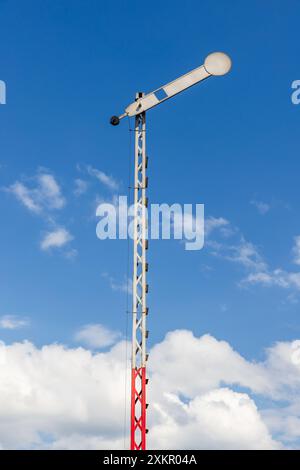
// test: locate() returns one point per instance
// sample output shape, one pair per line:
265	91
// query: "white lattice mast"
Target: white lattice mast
217	63
139	290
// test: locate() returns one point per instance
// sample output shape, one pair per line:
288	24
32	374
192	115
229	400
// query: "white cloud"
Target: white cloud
260	273
216	223
105	179
56	239
277	277
71	253
44	195
219	419
243	252
124	285
262	207
260	278
246	253
13	322
237	249
76	398
285	423
296	250
96	336
60	392
41	195
49	191
25	196
216	360
80	186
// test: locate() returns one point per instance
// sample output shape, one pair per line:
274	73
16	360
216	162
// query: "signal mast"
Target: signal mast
215	64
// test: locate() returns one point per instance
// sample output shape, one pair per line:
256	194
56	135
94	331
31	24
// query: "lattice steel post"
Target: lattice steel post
140	289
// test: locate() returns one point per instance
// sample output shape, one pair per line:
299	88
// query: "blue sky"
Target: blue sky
230	143
224	143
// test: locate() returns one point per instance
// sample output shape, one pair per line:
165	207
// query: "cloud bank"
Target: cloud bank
202	394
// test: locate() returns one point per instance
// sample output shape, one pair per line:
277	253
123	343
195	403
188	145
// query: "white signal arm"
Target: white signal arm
216	63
